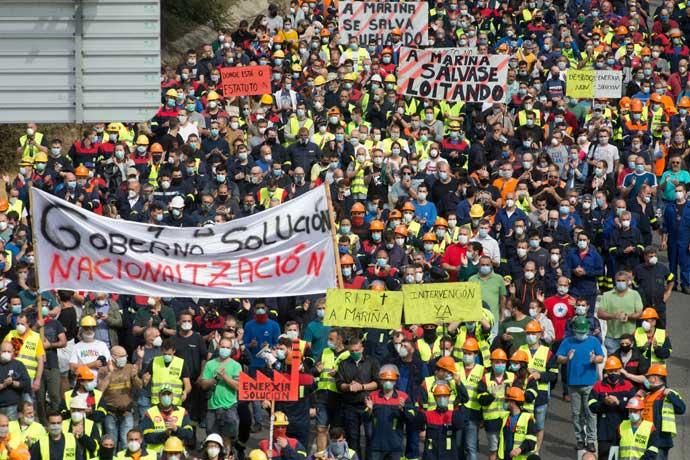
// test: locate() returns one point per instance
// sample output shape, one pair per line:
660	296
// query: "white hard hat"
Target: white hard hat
78	402
177	202
214	437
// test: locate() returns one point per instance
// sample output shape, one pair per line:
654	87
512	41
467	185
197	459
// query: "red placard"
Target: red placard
245	81
280	388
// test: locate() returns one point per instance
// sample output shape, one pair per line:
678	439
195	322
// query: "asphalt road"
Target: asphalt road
559	439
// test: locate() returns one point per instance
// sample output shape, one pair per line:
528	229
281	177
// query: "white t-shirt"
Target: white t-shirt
88	352
608	152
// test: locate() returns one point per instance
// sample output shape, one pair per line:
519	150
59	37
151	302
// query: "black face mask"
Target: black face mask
625	348
613	378
106	453
429	334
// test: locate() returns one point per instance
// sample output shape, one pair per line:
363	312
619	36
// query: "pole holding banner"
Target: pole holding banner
336	254
38	305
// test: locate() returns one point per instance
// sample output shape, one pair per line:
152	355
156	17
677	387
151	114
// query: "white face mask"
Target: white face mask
186	326
6	356
213	452
157	342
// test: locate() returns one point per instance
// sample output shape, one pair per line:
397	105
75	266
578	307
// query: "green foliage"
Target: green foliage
180	16
10	134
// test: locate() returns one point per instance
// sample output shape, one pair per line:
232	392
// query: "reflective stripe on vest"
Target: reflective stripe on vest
29	151
641	341
668	418
296	124
519	436
357	185
522	117
27	353
471	382
68	453
495	409
537	362
265	196
159	424
429	384
634	445
170	375
330	362
17	206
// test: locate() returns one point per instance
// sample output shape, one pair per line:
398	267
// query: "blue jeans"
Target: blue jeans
10	411
143	403
470	435
117	426
612	345
412	444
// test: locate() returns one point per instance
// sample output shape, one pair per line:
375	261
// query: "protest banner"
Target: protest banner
283	251
245	81
279	388
442	303
357	308
374	22
450	74
590	84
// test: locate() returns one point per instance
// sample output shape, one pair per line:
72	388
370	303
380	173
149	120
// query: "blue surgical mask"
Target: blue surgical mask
564	209
499	368
381	262
483	233
484	269
347	272
621	285
166	400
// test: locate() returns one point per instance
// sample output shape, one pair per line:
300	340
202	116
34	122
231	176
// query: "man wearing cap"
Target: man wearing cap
582	353
164	420
84	429
85	388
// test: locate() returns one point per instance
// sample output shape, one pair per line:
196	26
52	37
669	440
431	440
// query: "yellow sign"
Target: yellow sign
442	303
358	308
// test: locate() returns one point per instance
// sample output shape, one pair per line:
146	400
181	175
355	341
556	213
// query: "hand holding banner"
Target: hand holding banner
591	84
358	308
442	303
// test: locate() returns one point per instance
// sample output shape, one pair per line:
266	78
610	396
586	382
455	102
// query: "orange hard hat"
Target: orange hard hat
646	51
499	355
624	102
4	205
396	31
265	38
81	171
377	286
156	148
325	32
470	344
636	105
684	102
533	327
657	369
649	313
376	225
429	237
441	222
441	389
357	207
655	97
278	39
635	403
408	206
84	373
621	30
613	364
515	394
388	374
401	230
520	356
447	364
676	33
346	259
394	214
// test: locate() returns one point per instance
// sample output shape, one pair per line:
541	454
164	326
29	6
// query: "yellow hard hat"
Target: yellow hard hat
266	99
41	157
477	210
319	81
87	321
173	444
280	419
142	140
279	54
112	128
172	92
257	454
212	96
390	78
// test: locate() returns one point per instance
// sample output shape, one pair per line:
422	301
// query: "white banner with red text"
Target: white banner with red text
283	251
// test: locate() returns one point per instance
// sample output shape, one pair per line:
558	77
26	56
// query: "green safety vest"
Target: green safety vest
633	445
641	341
495	410
88	429
538	362
159	424
69	452
167	375
329	363
29	151
430	384
519	436
471	382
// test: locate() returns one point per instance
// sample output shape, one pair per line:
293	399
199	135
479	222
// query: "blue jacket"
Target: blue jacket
593	264
673	225
267	332
388	420
506	222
